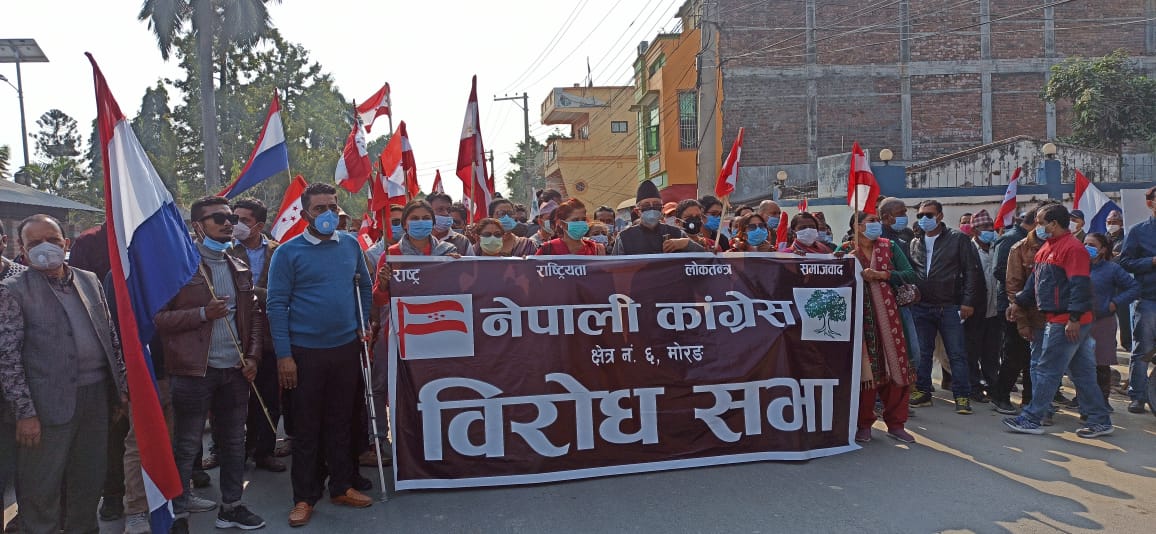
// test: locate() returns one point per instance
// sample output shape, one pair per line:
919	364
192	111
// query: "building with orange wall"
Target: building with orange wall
596	161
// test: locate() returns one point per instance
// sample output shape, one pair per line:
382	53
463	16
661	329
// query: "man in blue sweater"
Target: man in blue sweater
316	335
1138	256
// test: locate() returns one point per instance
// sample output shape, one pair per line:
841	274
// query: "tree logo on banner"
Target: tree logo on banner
825	313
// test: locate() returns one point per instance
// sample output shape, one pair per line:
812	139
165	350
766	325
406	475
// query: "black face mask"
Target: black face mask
692	226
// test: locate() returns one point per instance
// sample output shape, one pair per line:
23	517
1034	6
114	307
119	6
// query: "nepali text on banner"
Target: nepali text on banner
515	371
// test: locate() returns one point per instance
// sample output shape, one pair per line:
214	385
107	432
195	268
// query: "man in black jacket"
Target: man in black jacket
651	236
951	286
1016	352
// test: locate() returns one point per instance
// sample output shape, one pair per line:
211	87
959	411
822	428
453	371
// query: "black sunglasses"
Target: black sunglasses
220	218
925	216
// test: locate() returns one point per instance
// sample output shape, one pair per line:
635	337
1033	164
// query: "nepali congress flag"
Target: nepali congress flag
269	157
289	221
803	205
1094	203
374	107
398	181
862	189
477	184
1007	209
151	259
434	327
354	167
729	176
437	185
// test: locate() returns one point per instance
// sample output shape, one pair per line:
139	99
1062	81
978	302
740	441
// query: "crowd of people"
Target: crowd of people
269	334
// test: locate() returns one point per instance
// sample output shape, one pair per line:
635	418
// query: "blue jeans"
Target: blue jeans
226	393
1059	354
931	320
1143	342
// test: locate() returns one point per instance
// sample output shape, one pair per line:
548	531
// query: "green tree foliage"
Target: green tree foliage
5	156
1113	101
59	168
316	116
829	306
528	159
155	130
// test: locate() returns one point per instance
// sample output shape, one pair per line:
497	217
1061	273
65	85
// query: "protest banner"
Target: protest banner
515	371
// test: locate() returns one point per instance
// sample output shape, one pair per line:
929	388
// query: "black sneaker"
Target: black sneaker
1136	406
111	508
238	516
1004	407
963	405
920	399
180	526
980	398
201	479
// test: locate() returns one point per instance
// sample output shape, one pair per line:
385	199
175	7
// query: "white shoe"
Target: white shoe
195	504
137	524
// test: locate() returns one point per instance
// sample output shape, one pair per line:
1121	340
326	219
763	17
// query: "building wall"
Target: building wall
922	77
673	165
601	169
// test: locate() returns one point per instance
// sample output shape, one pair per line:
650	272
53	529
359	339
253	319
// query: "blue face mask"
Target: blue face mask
214	245
987	237
326	223
443	223
1092	251
873	230
773	223
900	223
928	224
1042	234
824	237
600	239
713	222
577	229
757	237
508	223
397	231
420	229
651	217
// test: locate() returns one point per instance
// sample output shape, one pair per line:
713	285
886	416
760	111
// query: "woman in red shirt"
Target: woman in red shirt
753	235
418	240
570	221
805	236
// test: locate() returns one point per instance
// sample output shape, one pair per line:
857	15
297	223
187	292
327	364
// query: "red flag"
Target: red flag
781	236
861	185
367	235
289	221
803	205
354	167
477	184
374	107
1007	210
729	175
398	179
437	186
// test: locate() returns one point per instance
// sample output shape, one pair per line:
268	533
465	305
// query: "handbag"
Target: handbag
907	294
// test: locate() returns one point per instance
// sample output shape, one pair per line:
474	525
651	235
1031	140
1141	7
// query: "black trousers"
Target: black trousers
323	408
983	339
260	439
114	475
1017	357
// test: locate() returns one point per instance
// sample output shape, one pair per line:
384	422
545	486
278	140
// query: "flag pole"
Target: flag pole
718	233
288	166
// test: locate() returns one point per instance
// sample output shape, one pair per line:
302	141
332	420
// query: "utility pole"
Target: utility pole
525	98
490	152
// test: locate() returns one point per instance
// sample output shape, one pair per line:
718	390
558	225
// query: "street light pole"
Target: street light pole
19	96
21	51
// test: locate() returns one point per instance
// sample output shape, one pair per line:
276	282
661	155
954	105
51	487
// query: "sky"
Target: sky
426	50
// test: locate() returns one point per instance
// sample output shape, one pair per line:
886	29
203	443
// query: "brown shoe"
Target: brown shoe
300	515
353	499
369	458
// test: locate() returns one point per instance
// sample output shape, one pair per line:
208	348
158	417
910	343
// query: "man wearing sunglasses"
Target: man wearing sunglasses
651	236
951	286
213	331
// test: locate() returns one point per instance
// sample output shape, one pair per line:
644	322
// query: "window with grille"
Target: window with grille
652	141
687	120
618	127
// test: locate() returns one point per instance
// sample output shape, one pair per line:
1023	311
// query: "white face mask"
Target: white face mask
807	236
1073	226
45	257
241	232
490	244
1113	228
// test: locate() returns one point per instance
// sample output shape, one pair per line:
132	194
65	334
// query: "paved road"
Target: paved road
965	474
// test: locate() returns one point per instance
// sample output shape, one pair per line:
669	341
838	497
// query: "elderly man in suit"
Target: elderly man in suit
62	374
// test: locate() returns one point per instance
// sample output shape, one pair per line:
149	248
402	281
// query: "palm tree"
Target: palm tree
4	156
220	22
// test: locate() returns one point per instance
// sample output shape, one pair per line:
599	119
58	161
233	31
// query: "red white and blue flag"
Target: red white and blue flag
270	155
1007	210
1094	203
152	258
